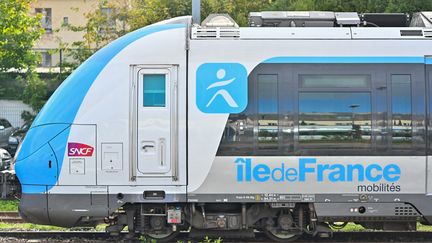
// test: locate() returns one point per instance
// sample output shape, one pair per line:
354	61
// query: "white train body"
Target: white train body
107	138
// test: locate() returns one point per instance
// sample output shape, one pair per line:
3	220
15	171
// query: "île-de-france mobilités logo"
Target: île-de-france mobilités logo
221	88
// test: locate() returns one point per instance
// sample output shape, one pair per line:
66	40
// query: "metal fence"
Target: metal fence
11	110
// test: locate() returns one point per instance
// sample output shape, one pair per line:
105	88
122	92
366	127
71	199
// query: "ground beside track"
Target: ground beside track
96	237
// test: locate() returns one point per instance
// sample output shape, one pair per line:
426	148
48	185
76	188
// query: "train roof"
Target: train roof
317	25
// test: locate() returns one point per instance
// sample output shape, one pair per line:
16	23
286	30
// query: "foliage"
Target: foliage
144	239
18	33
9	205
10	88
361	6
35	91
208	240
28	226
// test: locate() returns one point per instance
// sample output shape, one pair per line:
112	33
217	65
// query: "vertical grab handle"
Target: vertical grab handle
162	151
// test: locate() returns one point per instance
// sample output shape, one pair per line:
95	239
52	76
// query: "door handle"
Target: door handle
162	151
147	146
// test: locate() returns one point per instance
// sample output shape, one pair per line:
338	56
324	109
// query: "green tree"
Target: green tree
147	12
18	33
101	28
408	6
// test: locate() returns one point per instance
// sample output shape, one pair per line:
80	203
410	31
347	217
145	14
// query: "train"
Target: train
288	126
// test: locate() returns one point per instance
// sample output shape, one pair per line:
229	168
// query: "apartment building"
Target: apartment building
56	14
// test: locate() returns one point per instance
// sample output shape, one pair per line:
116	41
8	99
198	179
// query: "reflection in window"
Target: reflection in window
334	81
238	136
154	90
268	111
334	120
401	110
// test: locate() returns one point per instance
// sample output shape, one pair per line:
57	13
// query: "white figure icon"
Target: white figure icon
220	74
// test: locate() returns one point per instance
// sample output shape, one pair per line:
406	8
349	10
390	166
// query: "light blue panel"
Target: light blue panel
221	88
35	170
38	136
154	92
429	60
63	105
331	60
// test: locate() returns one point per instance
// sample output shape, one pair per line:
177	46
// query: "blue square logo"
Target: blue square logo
221	88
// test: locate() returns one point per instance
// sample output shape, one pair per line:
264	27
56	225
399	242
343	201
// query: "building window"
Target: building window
46	19
46	59
65	20
110	24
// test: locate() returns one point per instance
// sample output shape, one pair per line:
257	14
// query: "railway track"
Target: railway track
78	236
85	236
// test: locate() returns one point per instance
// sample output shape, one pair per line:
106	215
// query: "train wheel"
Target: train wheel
163	237
337	225
280	236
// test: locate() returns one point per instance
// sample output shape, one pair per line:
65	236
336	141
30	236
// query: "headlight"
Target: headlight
13	140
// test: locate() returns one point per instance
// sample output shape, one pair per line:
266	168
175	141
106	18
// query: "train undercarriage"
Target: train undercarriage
281	222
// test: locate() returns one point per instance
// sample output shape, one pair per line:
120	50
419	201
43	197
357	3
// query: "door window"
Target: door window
154	93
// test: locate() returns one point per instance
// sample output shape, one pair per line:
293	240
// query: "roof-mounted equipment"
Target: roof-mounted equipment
338	19
303	19
219	26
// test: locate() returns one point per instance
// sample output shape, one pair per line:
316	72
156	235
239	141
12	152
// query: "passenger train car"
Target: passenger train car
298	121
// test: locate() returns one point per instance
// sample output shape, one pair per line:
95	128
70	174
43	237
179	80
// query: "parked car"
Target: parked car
17	136
6	130
5	159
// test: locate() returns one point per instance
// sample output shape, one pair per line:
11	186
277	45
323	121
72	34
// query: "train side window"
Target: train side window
154	90
268	122
334	121
401	111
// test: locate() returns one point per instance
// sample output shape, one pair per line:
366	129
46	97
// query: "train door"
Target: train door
429	124
156	122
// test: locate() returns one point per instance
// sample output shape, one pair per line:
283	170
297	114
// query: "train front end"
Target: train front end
59	162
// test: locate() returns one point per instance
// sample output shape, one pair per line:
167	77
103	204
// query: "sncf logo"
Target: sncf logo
79	150
221	88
